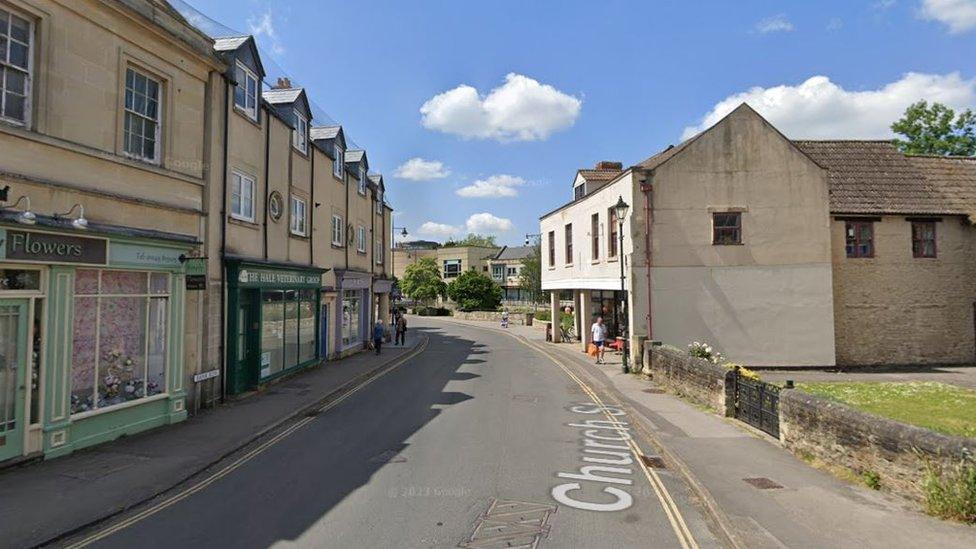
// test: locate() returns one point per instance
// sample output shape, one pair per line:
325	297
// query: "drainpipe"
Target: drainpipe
223	248
267	182
310	209
647	188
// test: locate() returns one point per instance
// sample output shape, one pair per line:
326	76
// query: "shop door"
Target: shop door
247	327
13	369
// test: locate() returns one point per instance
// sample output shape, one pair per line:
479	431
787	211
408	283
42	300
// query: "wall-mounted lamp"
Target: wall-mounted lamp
79	222
25	217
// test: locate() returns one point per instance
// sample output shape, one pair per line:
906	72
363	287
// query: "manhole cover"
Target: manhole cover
653	462
654	390
509	523
763	483
389	456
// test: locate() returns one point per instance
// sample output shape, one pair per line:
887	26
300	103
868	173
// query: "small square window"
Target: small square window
923	239
726	228
859	239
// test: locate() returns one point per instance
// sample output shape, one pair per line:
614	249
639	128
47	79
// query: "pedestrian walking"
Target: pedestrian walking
599	332
401	330
378	335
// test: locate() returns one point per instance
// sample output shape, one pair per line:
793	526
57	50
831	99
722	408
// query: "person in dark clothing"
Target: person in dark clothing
378	336
401	330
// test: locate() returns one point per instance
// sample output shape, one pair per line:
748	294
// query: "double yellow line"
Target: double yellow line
664	497
239	462
671	510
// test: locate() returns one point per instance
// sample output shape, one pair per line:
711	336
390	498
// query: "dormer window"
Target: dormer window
579	192
379	202
300	133
362	179
338	166
246	92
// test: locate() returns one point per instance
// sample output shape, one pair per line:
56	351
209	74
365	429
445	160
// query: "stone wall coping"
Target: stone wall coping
886	432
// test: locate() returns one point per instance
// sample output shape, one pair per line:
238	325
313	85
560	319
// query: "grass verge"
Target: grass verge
943	408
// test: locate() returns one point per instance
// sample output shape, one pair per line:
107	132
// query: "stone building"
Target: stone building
165	212
104	174
778	252
506	270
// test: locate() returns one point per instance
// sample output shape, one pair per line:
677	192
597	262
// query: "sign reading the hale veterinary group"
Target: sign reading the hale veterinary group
283	278
49	247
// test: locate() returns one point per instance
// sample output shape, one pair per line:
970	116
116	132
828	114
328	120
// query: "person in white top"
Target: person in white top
599	332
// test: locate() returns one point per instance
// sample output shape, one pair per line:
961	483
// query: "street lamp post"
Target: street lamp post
620	210
403	233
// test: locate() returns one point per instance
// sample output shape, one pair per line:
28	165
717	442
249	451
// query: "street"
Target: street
479	441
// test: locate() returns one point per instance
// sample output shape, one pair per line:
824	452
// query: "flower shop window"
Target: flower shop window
120	337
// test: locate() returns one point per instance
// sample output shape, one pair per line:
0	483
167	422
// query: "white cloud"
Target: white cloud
437	229
776	23
819	108
418	169
485	223
495	186
263	25
521	109
958	15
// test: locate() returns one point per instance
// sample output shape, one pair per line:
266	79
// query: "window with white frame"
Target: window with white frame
378	251
362	179
142	109
361	239
337	230
120	337
298	216
338	167
300	133
16	40
379	202
242	196
246	91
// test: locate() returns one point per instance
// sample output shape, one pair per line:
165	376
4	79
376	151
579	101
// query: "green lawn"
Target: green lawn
937	406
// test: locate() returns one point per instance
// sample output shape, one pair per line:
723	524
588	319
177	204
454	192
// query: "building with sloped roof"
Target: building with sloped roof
777	252
506	269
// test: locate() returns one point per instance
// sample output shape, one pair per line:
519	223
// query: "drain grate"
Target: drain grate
654	462
509	523
763	483
654	391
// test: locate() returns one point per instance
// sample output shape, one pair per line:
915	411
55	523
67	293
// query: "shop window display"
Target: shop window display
120	335
288	335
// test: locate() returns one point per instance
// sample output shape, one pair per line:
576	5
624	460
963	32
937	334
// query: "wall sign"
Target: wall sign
196	273
203	376
284	278
148	256
52	248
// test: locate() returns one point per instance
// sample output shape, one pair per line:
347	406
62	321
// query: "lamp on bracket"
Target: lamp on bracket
25	217
79	222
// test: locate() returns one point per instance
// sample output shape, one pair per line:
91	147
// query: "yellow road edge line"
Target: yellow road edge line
239	462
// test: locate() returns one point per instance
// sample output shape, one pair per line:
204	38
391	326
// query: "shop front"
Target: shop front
354	305
91	335
272	321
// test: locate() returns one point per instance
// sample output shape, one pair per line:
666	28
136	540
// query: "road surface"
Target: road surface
479	441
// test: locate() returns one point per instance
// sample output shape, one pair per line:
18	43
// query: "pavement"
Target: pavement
478	441
811	509
43	501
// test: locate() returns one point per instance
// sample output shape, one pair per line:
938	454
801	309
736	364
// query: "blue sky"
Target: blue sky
550	87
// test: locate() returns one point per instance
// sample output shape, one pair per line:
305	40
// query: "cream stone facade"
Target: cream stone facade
124	202
782	253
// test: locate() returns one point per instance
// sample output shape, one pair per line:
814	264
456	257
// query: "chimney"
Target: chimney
283	83
609	165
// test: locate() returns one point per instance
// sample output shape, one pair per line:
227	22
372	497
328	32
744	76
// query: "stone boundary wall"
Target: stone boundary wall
518	319
864	443
696	379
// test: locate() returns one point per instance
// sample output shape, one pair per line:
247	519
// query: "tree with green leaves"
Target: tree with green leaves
530	277
474	291
936	129
483	240
422	281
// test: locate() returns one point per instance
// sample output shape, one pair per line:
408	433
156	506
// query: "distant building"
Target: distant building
506	270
